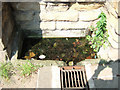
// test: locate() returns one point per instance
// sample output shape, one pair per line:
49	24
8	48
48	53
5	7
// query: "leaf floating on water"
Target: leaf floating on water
27	57
31	54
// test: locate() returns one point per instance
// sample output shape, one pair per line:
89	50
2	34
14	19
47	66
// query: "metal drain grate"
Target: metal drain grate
73	78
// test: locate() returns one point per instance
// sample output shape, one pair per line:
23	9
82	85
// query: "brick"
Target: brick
70	15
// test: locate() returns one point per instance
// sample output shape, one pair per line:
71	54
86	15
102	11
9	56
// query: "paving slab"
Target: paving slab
49	77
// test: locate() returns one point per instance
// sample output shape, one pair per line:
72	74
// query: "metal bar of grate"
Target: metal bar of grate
74	78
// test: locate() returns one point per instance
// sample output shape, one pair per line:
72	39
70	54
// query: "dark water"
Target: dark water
64	49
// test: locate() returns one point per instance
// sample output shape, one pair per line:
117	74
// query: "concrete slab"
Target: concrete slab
49	77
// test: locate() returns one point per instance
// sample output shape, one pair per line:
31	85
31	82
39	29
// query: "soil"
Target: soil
17	81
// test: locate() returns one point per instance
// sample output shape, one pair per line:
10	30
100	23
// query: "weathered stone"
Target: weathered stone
30	25
119	8
118	31
90	0
89	15
64	33
59	0
23	6
113	54
103	53
114	4
81	6
42	8
47	25
112	33
2	55
57	7
111	9
72	25
112	21
74	0
1	45
21	16
113	43
42	3
70	15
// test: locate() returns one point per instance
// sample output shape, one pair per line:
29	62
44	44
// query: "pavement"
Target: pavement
101	75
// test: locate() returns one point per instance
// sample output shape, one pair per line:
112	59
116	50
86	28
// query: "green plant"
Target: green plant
98	35
28	68
6	70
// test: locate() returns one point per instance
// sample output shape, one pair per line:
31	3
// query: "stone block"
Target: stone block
57	7
89	15
112	33
59	0
23	6
113	54
70	15
90	6
21	16
119	8
72	25
111	9
103	53
1	45
90	0
2	55
47	25
112	21
63	33
74	0
113	43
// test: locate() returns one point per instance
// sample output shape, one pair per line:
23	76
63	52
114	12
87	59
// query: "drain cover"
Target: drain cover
73	78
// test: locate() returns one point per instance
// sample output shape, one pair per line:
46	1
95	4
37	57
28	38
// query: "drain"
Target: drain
73	78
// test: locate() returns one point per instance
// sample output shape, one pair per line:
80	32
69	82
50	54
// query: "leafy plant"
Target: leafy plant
98	35
6	70
28	68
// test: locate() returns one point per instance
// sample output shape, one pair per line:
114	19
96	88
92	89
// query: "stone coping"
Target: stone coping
55	62
74	0
53	0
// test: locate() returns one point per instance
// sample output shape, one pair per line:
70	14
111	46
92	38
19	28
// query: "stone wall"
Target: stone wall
111	10
56	19
67	19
